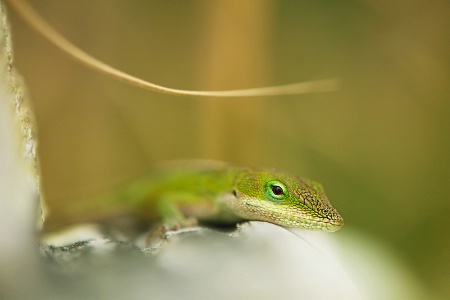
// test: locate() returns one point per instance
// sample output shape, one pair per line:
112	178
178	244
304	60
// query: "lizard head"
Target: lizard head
283	200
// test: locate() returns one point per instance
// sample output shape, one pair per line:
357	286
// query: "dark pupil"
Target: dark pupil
277	190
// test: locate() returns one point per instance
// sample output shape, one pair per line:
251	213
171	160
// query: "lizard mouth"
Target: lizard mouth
333	226
324	224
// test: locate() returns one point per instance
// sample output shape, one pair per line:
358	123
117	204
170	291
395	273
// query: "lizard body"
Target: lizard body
216	193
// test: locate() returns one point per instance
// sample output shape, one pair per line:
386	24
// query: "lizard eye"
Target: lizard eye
276	190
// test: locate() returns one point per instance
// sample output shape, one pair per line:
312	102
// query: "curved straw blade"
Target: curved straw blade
43	28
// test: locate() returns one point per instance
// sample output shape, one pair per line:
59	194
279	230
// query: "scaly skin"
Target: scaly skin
212	192
284	200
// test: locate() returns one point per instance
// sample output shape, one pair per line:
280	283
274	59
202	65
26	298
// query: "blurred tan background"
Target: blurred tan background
380	145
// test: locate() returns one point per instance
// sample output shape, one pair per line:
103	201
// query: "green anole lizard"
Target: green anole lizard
212	193
216	193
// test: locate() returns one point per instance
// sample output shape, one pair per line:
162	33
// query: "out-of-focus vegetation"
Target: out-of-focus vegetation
380	145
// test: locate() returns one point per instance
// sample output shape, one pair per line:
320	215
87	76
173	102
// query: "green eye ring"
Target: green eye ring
276	190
